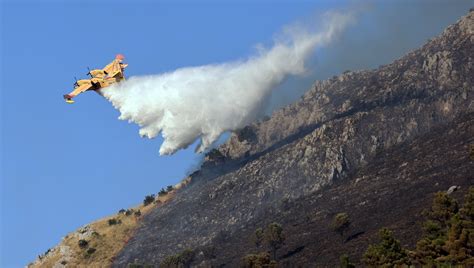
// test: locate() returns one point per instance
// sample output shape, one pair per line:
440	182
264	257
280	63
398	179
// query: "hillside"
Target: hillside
375	144
339	127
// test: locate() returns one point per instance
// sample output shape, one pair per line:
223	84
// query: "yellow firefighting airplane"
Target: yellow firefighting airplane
111	74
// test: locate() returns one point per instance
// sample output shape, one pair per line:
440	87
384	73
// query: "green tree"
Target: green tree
341	223
459	245
432	244
443	208
137	213
180	260
258	237
273	237
136	264
260	260
345	262
467	210
148	199
83	243
387	253
162	192
114	221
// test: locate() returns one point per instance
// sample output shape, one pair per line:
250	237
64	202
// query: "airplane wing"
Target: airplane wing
112	69
83	86
115	69
97	73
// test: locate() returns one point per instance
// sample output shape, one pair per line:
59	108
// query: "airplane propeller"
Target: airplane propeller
75	83
89	72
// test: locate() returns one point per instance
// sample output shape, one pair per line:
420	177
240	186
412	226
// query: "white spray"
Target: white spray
206	101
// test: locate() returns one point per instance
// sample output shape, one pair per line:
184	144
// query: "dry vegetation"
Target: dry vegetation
104	238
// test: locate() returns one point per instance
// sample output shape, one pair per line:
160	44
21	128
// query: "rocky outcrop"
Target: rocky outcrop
339	128
433	78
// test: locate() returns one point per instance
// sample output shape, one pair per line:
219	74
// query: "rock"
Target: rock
452	189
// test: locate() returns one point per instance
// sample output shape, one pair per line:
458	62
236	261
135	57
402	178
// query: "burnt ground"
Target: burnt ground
391	191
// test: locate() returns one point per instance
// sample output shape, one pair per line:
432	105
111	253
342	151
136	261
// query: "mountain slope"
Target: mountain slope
391	191
399	133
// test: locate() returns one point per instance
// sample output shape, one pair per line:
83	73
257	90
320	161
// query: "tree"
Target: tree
260	260
137	213
148	199
459	245
467	210
83	243
274	237
162	192
90	251
442	209
387	253
341	223
182	259
114	221
448	238
432	244
345	262
258	237
136	264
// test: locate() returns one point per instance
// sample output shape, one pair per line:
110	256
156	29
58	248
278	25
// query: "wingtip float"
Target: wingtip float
100	78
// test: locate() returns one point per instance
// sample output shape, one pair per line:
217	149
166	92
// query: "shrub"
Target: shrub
83	243
182	259
148	199
260	260
129	212
345	262
274	237
137	213
162	192
341	223
248	133
114	221
258	237
122	211
41	256
214	156
169	188
139	265
91	251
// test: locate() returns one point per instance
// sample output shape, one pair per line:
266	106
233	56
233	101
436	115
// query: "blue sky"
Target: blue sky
63	166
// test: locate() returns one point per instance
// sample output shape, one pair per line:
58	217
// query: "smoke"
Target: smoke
206	101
